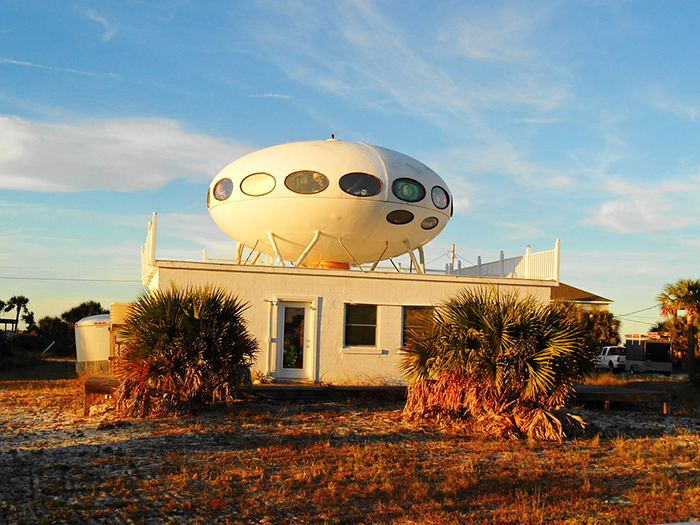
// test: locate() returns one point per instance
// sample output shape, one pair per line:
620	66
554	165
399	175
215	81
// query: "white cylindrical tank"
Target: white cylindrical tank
329	202
92	344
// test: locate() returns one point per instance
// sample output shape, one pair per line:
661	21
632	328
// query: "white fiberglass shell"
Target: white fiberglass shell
292	191
92	338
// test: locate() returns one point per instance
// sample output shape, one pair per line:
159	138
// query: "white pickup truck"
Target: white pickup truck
611	358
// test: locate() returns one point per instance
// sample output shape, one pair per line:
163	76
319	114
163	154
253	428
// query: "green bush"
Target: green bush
185	348
19	350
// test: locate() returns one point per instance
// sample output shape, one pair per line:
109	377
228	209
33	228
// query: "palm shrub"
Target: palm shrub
505	364
184	348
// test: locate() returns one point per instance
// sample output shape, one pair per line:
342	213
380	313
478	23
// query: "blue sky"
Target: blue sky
577	120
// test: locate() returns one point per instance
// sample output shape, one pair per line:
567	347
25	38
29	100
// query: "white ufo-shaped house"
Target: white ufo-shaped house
329	203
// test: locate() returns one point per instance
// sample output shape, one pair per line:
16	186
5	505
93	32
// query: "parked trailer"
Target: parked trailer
92	344
645	354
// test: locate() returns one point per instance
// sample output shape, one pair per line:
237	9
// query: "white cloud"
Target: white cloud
498	155
632	216
58	69
109	30
501	36
117	154
353	51
692	243
270	95
664	102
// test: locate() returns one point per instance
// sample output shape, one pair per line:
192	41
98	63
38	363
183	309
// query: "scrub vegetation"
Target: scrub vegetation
504	363
356	462
183	349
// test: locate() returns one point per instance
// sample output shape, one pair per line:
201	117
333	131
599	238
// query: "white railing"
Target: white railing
541	266
538	266
148	253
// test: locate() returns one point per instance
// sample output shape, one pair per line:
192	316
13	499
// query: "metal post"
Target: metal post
528	251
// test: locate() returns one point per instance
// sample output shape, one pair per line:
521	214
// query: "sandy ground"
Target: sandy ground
40	440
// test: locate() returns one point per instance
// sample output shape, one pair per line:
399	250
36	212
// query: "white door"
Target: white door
293	340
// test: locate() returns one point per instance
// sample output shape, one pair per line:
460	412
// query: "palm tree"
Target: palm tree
504	363
185	348
85	309
18	302
599	327
683	295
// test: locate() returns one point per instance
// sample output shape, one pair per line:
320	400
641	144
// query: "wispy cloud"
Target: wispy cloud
651	209
58	69
270	95
118	154
671	104
109	30
459	70
354	51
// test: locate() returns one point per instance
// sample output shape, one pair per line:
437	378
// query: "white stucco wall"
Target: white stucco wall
327	291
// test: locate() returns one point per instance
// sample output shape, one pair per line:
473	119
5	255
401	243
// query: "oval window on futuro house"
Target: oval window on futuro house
306	182
360	184
429	223
440	197
223	189
408	190
258	184
400	217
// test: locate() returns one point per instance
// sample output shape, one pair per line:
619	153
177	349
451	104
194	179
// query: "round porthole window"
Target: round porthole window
360	184
440	198
258	184
306	182
223	189
408	190
400	217
429	223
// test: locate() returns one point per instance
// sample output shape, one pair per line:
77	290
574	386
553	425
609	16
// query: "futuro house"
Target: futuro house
329	203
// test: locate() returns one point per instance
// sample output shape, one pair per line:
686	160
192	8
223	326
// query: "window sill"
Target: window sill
366	350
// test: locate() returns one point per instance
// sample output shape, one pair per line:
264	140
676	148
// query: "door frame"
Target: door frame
310	368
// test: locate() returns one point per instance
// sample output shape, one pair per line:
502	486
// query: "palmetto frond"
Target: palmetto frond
496	358
184	348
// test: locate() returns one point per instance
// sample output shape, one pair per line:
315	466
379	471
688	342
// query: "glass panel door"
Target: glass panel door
293	337
293	341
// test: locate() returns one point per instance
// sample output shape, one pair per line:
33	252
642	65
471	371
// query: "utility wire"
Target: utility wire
69	279
637	311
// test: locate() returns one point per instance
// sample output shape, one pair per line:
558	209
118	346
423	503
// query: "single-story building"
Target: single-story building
343	326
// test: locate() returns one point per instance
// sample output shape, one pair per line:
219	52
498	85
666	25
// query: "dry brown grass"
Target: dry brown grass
356	462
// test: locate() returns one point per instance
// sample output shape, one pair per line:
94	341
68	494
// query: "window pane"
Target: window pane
361	314
429	223
408	190
306	182
223	189
400	217
293	349
258	184
360	184
360	325
360	336
413	319
440	198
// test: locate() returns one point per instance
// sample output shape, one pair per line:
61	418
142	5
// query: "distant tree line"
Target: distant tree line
55	333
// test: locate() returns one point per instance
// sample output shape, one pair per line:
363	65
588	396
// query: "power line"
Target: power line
69	279
642	310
